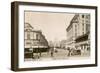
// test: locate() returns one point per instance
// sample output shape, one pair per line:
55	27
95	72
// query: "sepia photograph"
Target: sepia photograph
52	36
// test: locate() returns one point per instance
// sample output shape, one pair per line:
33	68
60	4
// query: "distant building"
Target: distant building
63	44
34	40
78	32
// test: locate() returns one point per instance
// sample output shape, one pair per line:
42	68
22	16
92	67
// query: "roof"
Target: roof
72	21
29	28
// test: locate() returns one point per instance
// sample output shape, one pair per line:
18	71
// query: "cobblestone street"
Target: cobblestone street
61	54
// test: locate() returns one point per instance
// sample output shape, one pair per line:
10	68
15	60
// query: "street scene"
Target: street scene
56	36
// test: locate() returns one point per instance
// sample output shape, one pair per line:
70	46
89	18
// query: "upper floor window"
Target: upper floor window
28	35
87	16
82	16
83	28
37	36
75	30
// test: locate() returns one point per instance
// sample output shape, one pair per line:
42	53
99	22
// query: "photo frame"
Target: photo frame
52	36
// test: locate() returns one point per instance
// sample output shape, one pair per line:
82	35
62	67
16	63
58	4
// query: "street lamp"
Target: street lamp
31	50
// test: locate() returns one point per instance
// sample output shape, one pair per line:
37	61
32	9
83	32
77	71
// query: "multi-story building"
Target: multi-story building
71	31
78	32
34	40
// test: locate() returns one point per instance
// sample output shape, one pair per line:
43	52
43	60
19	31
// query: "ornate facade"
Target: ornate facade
78	32
34	40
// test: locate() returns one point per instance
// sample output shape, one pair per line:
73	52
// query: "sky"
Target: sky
52	25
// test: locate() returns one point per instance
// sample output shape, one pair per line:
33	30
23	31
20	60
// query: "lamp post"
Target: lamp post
32	52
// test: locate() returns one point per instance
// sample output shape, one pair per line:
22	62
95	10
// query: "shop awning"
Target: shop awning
81	38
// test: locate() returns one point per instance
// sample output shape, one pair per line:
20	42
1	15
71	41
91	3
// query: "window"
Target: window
87	28
37	36
32	35
87	21
28	43
75	30
87	16
83	28
82	16
28	35
83	21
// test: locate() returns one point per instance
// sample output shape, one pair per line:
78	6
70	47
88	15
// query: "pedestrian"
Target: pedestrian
69	51
52	52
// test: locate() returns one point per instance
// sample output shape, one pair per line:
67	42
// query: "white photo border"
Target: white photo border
25	64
